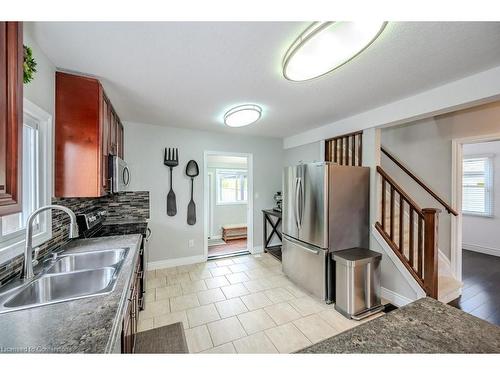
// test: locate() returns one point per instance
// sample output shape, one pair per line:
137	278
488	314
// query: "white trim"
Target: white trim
395	298
322	146
481	249
456	197
206	197
401	268
475	89
46	151
176	262
211	197
443	258
258	249
444	265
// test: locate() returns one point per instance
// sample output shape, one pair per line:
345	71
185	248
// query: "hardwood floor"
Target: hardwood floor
231	246
481	291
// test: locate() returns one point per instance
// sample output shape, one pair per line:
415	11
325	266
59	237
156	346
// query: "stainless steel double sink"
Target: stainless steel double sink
67	277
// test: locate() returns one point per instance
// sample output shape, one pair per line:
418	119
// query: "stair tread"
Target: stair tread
447	284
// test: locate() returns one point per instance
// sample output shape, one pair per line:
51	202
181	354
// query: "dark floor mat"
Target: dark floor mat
166	339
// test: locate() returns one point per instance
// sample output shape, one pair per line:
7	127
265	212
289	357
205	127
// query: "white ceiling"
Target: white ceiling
186	74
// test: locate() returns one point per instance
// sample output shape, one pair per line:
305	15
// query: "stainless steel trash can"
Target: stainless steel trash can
357	282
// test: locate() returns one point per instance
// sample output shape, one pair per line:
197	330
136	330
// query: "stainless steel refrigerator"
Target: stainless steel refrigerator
325	209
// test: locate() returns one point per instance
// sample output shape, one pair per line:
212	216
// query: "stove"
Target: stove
93	224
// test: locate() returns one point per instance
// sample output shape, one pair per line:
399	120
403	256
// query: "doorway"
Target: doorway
228	204
476	237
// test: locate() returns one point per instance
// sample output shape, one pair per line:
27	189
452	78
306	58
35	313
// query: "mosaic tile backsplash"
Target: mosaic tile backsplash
130	206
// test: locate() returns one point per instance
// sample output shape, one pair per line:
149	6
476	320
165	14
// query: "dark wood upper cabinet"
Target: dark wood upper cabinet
11	116
83	137
119	139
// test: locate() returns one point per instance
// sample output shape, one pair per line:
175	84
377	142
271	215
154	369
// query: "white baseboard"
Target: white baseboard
217	237
175	262
395	298
444	265
481	249
444	259
258	249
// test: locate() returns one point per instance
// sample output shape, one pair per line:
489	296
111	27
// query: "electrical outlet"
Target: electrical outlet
191	243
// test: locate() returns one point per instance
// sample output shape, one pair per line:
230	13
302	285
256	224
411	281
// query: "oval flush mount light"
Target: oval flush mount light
242	115
325	46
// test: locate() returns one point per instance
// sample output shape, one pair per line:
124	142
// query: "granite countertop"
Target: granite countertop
87	325
423	326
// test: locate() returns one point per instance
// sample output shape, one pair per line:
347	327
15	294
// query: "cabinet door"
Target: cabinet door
77	137
119	138
127	330
11	116
105	112
113	131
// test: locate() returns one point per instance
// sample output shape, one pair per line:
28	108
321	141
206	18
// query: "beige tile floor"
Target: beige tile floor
238	305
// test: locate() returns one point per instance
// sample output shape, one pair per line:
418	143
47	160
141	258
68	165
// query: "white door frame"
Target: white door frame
206	196
456	197
211	203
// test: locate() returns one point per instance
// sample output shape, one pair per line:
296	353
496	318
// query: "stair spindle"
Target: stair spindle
391	214
420	246
412	239
383	203
401	224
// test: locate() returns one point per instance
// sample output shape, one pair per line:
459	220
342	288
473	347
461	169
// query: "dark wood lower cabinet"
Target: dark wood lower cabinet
131	317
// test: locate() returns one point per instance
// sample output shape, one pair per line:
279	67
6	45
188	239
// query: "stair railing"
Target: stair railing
448	208
420	256
346	149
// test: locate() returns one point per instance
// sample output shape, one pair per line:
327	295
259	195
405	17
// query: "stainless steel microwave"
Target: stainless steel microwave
120	174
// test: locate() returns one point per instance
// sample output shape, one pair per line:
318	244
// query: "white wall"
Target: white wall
225	213
425	147
144	145
40	91
306	153
480	88
482	233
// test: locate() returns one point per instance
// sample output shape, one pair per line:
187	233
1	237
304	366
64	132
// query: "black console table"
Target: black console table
273	218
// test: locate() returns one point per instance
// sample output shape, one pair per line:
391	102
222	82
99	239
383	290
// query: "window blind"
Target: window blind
476	186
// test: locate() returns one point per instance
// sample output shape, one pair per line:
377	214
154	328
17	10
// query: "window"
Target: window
13	225
36	179
477	186
232	186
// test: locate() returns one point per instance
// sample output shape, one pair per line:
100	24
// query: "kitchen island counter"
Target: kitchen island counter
423	326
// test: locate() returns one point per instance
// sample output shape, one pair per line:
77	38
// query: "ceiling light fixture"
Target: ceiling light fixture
325	46
242	115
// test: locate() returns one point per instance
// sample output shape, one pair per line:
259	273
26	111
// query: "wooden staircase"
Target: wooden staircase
412	233
409	230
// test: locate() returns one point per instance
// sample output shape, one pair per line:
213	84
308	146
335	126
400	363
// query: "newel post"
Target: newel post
431	251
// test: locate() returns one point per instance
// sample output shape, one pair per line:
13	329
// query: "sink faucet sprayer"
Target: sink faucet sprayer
28	261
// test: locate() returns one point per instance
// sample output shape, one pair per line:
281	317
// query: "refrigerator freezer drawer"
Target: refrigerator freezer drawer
308	267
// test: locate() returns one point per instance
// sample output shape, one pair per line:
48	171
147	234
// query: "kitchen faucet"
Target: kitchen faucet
28	262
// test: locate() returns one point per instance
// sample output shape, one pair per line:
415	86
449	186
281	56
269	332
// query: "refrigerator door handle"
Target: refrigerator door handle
296	205
301	202
303	247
